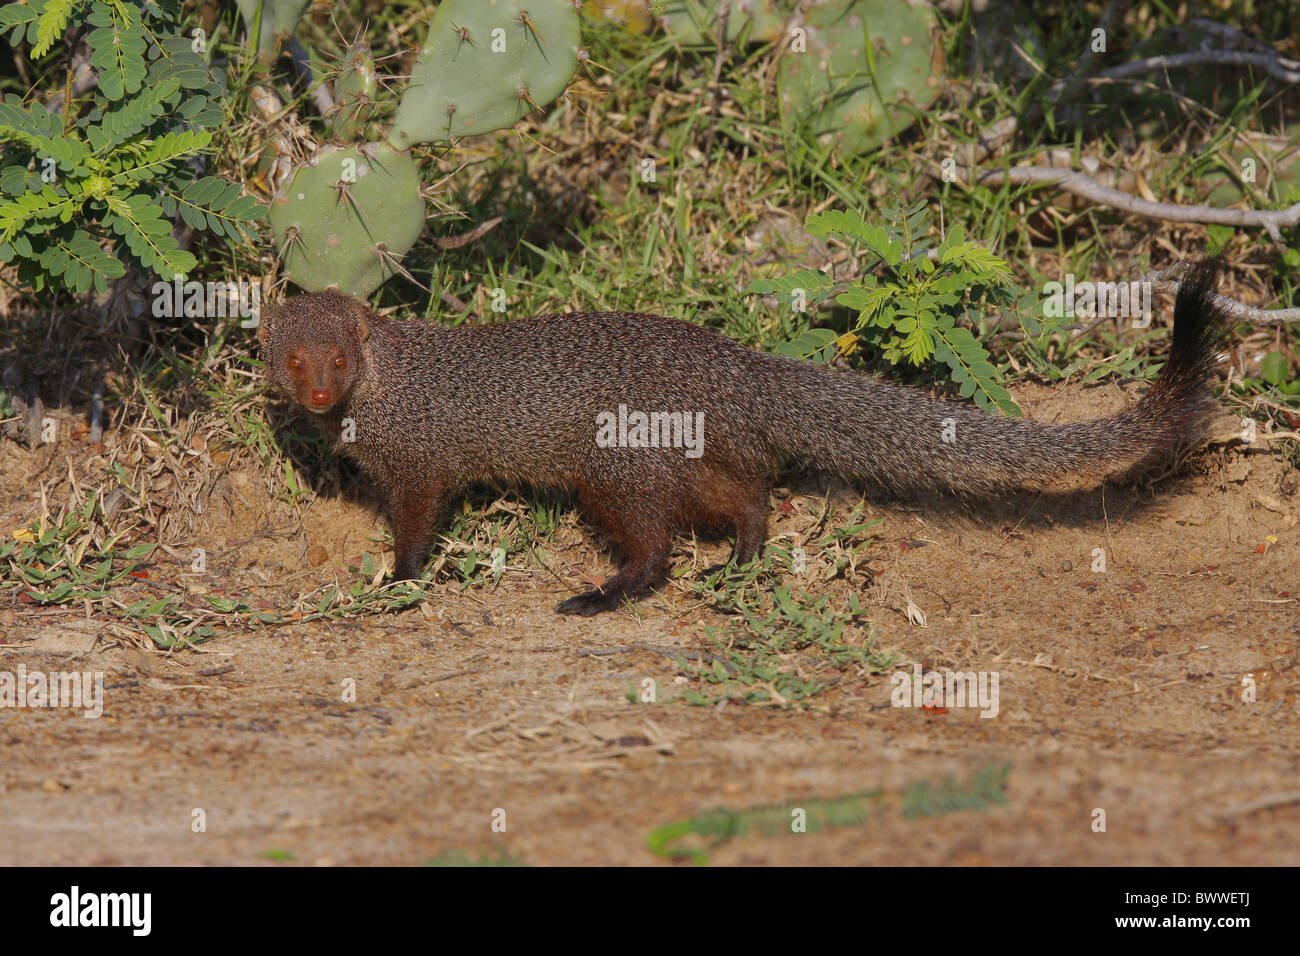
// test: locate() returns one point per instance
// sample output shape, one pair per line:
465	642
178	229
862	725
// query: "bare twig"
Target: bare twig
1268	802
1079	183
1288	71
478	232
1166	280
1229	33
715	107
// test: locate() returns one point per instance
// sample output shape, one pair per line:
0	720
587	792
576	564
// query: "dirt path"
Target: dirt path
1119	691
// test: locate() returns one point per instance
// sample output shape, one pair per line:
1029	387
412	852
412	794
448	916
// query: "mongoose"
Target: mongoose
553	401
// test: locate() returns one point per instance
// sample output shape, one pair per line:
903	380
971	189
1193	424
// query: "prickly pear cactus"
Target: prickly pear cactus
354	91
852	98
279	18
634	16
346	219
696	21
485	65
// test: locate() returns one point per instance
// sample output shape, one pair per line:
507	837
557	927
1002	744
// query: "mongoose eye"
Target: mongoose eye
294	362
340	362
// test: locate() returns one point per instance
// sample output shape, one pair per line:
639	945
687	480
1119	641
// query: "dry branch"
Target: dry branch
1079	183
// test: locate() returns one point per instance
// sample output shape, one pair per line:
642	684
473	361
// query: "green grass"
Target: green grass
580	230
694	839
501	856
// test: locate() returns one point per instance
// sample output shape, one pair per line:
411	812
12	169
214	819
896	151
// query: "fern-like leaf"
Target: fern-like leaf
20	20
214	204
16	180
973	257
971	369
177	60
118	49
819	345
813	283
853	227
51	24
137	165
148	235
25	211
871	301
41	131
82	262
135	115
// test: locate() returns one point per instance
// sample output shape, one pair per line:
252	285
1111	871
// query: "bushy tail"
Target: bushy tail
860	427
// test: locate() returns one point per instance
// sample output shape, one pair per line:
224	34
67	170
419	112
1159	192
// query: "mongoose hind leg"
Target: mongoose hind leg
751	526
639	526
742	506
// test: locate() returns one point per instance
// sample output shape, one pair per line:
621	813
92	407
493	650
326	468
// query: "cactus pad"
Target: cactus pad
348	235
848	99
354	92
484	66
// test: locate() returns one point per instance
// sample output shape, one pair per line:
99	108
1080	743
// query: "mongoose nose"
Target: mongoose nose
320	396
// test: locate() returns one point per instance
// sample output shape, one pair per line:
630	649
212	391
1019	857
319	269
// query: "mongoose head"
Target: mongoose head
315	347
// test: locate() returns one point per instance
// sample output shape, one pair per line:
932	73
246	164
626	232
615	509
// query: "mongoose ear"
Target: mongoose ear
363	325
267	316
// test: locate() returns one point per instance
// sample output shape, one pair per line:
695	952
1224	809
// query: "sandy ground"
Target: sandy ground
1119	691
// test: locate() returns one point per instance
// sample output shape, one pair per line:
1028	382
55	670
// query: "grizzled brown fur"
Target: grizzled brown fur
437	409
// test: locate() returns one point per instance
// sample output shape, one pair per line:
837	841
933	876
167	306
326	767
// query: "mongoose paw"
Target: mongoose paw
592	602
414	579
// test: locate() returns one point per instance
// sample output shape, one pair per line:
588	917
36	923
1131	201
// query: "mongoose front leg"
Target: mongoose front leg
417	509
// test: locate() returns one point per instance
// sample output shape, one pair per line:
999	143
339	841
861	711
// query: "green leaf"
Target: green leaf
918	346
1275	369
42	132
82	263
148	235
213	203
968	360
178	61
136	115
19	20
956	236
46	204
118	49
53	21
870	301
852	226
812	343
983	263
811	281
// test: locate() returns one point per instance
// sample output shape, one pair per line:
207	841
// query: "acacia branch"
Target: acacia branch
1166	280
1073	181
1288	71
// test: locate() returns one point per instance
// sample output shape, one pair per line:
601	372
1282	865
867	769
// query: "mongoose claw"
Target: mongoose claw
590	603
